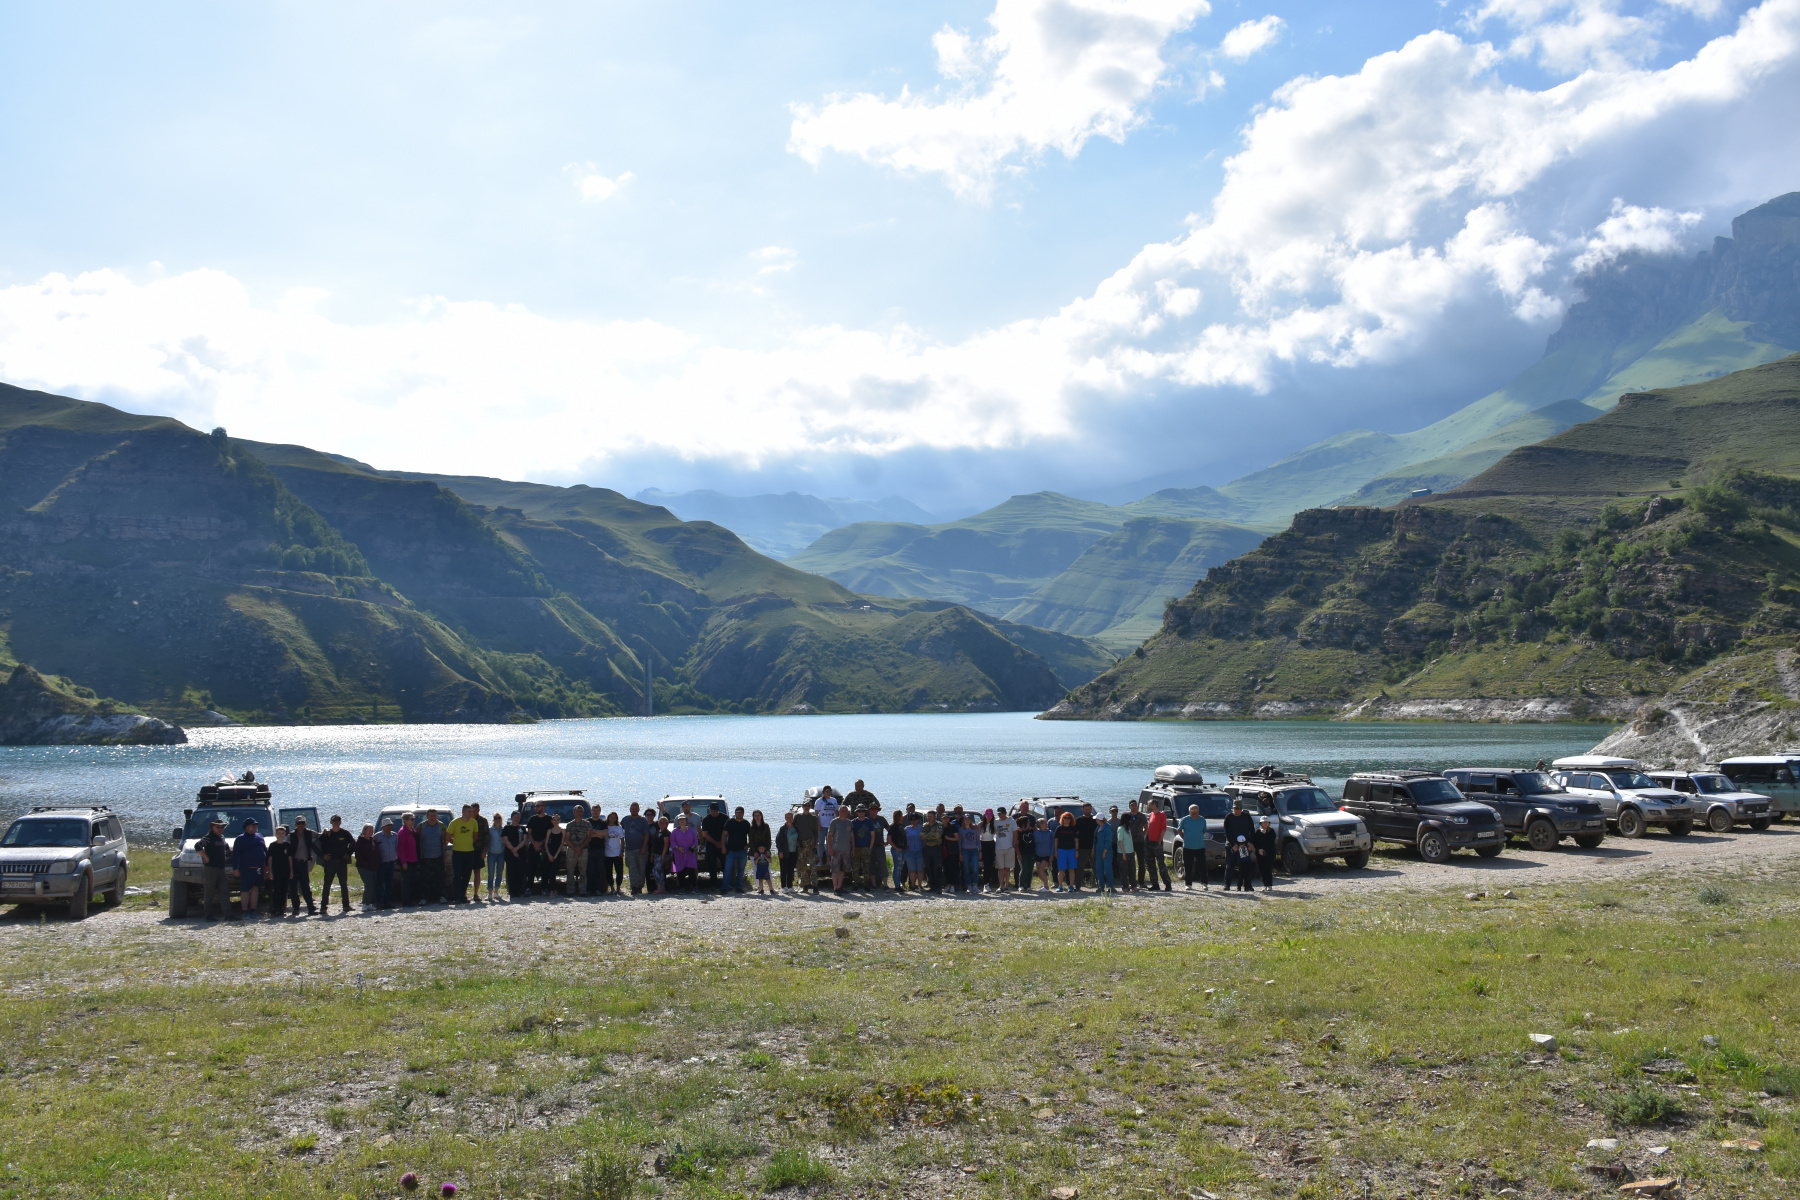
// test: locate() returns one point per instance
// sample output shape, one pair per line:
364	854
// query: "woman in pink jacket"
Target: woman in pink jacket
684	839
407	862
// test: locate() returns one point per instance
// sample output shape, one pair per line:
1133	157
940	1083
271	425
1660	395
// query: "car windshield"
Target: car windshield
672	808
1213	805
1713	784
1537	783
234	819
47	831
1629	779
1307	800
1434	791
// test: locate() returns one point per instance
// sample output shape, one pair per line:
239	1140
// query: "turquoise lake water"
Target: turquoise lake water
759	762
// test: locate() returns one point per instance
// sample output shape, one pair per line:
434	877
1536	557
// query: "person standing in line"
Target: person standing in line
250	855
406	861
1068	854
1025	839
990	873
515	841
368	867
829	803
1243	864
1103	857
684	862
481	849
914	854
737	844
388	842
215	856
862	842
336	849
1043	837
281	872
787	850
656	855
1004	831
1156	827
897	848
1265	842
806	825
968	841
461	834
611	846
1133	820
495	843
538	826
430	868
878	837
760	857
1193	848
840	847
861	797
931	849
306	853
636	830
555	839
1124	851
576	836
761	838
1238	823
1084	843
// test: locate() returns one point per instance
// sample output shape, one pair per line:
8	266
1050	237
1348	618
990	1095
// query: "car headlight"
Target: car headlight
63	866
1567	808
1457	820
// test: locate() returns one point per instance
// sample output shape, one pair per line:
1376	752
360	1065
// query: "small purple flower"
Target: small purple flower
410	1180
447	1189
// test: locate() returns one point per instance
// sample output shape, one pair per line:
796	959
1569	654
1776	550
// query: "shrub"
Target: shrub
1714	894
794	1168
1640	1105
602	1174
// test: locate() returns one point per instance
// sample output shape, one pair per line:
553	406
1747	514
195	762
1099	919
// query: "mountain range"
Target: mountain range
780	525
182	573
1644	321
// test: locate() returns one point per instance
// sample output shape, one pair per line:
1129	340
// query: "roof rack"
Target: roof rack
1402	773
523	796
1269	774
38	808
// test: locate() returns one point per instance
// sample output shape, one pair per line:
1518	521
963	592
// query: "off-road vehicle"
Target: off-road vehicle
1533	805
1718	803
62	855
1177	788
560	801
1773	775
1425	811
1632	801
233	801
1311	826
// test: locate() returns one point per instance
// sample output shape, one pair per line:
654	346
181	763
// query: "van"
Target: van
1771	775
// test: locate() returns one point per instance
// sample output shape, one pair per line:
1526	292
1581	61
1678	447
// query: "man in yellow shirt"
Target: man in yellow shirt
463	855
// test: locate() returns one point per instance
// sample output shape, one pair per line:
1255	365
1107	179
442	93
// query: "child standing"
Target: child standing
763	883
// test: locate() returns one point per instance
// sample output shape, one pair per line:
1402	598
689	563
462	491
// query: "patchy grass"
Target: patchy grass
1107	1046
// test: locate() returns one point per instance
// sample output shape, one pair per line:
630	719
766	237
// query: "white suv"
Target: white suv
1631	799
62	856
1720	802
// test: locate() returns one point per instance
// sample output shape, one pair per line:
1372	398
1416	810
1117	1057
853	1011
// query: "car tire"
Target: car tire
1357	861
1434	847
1760	823
1490	851
1542	835
78	903
178	900
1681	829
1719	821
115	895
1631	823
1589	841
1294	860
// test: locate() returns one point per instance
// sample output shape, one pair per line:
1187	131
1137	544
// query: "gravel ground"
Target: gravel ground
382	943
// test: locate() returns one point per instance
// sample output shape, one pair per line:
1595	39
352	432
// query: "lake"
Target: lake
759	762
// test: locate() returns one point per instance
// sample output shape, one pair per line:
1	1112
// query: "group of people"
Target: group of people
844	842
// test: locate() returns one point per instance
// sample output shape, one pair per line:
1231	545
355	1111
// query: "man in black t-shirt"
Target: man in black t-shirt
1084	844
712	843
737	846
539	827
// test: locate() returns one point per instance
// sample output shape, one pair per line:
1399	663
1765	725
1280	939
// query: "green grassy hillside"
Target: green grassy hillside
1597	566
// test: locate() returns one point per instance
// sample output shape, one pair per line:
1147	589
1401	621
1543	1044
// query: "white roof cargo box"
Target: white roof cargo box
1178	774
1596	762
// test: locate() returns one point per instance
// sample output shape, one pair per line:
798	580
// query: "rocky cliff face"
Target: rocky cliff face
33	712
1742	704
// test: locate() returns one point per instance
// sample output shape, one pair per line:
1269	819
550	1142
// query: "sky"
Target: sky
952	251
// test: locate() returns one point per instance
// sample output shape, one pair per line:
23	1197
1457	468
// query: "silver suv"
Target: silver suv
1719	803
1312	826
63	856
1631	800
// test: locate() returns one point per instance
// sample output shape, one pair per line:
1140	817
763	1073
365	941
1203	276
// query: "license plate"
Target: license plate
1485	833
1600	824
1346	843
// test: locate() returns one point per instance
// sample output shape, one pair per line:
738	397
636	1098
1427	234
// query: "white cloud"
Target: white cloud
1251	36
775	260
1051	75
1571	36
593	186
1359	215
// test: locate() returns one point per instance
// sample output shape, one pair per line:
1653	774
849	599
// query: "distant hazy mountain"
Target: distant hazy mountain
1074	566
780	525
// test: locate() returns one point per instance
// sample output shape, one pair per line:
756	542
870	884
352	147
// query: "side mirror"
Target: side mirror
177	834
99	840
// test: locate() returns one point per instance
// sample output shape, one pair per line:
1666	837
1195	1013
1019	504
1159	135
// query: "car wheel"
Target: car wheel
1490	851
1433	847
78	903
1719	821
1760	823
1357	861
1541	835
178	899
1681	829
115	895
1589	841
1631	823
1294	860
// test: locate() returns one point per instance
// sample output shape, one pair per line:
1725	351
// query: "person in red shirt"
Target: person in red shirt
1154	861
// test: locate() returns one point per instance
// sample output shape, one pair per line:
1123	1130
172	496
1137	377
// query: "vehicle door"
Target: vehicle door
1403	812
103	852
1509	801
1359	800
1596	787
1381	810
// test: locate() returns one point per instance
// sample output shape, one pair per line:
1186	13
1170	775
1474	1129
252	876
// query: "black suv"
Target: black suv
1424	811
1533	805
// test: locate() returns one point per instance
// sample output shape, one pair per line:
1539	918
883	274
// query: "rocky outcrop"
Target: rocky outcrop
33	712
1504	711
1743	704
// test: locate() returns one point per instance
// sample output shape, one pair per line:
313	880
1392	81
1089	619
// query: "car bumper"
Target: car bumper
1331	847
1484	836
1574	825
24	889
1664	817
